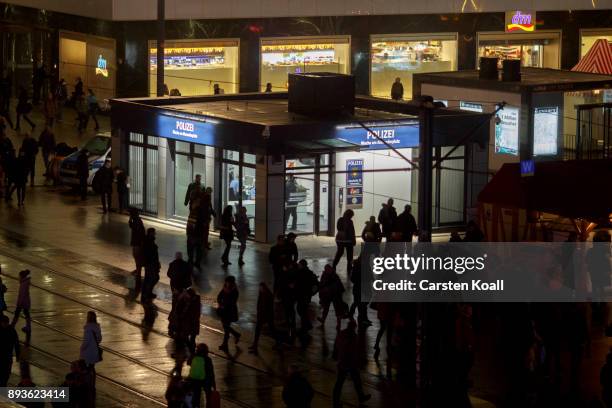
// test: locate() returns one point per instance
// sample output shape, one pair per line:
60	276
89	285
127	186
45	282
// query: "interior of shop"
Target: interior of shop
402	56
588	38
537	50
280	57
193	67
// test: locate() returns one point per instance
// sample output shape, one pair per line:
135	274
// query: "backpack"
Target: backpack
198	368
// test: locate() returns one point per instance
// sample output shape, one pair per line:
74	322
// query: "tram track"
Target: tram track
52	270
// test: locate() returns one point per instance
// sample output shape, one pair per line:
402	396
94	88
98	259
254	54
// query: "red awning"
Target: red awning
572	189
598	60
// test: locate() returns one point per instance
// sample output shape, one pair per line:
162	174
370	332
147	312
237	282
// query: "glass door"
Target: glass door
189	161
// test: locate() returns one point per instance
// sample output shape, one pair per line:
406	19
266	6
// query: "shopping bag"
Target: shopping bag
215	399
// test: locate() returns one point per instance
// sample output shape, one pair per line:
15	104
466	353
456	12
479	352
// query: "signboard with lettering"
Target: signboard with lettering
101	68
470	106
401	136
185	129
507	131
527	168
517	21
545	131
354	183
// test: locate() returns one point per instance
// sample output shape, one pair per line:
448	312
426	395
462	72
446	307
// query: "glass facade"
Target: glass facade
401	56
238	182
193	67
541	49
143	171
282	56
588	38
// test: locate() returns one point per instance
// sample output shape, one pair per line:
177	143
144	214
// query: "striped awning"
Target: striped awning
598	60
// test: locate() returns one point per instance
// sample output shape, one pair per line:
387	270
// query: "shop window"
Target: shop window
248	194
280	57
540	49
589	38
193	67
182	146
249	158
143	170
231	155
231	185
136	137
531	55
403	56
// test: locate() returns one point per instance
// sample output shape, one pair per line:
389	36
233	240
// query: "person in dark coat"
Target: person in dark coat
9	346
345	239
208	212
397	90
598	264
137	240
185	318
330	292
297	392
406	224
179	273
226	233
82	164
243	230
30	149
386	218
227	299
195	229
371	232
265	315
23	108
151	266
291	247
194	187
47	144
276	257
202	376
347	346
103	185
19	176
306	285
359	304
122	188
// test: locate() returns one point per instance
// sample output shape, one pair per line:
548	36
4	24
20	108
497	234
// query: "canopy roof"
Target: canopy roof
598	60
574	189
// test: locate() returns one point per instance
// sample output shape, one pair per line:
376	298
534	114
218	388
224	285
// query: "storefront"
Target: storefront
281	56
90	58
291	172
193	67
402	55
589	36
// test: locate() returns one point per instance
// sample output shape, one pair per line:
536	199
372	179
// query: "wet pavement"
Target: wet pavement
80	260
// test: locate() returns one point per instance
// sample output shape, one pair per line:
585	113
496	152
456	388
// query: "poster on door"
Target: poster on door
507	131
354	183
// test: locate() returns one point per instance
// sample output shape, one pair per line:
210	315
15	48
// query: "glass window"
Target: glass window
193	67
299	55
230	185
136	137
182	147
531	55
153	140
248	194
136	167
324	203
199	149
249	158
182	178
589	39
451	191
299	202
231	155
150	204
401	57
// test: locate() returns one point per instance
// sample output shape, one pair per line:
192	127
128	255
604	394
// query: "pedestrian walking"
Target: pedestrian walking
137	240
121	179
208	212
46	141
9	347
23	108
30	150
330	292
292	201
406	225
359	304
371	231
347	346
202	376
92	107
265	316
226	233
151	266
243	230
49	109
82	164
185	318
91	352
268	87
19	178
179	273
345	239
306	286
195	229
227	301
194	187
175	392
38	80
277	257
102	184
24	304
386	218
297	392
291	247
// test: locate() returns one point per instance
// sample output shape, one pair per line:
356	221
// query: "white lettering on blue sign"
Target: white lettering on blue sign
186	126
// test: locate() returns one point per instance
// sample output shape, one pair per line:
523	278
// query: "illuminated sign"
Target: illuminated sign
507	131
179	128
470	106
101	67
545	131
402	136
520	21
354	183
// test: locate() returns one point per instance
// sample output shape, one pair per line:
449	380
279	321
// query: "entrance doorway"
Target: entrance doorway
307	195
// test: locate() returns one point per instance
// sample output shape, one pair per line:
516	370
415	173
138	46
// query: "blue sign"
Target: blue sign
527	168
354	183
185	129
399	137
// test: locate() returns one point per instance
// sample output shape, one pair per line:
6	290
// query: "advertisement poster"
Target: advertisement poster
354	183
507	131
545	131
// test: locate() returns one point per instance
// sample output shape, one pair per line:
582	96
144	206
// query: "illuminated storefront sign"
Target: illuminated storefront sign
520	21
181	128
545	131
354	183
101	67
470	106
507	131
403	136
